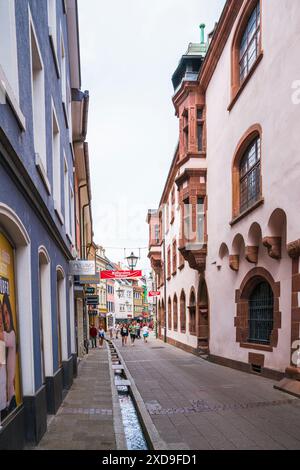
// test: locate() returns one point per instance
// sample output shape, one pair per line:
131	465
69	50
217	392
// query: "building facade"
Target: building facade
37	218
123	301
225	240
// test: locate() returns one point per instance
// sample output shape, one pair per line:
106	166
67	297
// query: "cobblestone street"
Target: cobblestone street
195	404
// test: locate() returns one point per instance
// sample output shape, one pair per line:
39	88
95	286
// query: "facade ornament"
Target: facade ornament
273	244
234	262
251	254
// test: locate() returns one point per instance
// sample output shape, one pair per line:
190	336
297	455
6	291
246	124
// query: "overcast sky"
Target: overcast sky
129	51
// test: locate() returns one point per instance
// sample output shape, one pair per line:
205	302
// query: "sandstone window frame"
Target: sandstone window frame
182	312
175	313
254	132
241	321
237	86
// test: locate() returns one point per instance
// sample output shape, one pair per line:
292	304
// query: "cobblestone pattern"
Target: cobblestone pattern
198	405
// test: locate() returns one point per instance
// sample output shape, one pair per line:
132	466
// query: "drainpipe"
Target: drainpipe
84	246
80	187
165	279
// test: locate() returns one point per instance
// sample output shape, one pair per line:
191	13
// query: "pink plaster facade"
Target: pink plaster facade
263	241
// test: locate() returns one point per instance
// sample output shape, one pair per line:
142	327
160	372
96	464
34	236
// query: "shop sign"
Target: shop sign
154	293
10	385
95	279
92	300
82	267
90	290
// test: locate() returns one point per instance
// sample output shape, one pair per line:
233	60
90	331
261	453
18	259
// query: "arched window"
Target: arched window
246	172
182	313
261	307
250	175
249	46
192	310
246	51
169	314
175	313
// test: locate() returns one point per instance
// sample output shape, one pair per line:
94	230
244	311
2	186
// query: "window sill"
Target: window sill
12	100
193	333
58	213
54	53
239	217
42	172
244	84
69	237
257	346
65	114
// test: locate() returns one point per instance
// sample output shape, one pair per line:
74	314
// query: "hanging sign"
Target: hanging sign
154	293
120	274
95	279
81	267
90	290
92	300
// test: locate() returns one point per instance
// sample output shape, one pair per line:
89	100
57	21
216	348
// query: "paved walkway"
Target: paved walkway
85	420
195	404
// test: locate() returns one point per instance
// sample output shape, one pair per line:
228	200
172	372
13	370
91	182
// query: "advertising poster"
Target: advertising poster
10	387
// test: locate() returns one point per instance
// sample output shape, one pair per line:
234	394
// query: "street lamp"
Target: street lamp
132	261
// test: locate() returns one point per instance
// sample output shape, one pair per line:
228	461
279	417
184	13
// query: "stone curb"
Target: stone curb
117	414
152	434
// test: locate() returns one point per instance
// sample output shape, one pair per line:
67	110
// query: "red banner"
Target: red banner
120	274
154	293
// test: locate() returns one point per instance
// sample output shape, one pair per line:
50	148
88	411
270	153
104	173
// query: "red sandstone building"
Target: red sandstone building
224	242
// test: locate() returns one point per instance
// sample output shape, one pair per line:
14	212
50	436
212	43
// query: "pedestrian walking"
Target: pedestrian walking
124	334
111	330
132	331
145	333
93	336
101	335
117	330
138	331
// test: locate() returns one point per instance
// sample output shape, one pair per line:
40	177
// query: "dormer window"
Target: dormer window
249	47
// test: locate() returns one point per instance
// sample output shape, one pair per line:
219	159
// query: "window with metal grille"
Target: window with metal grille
182	313
249	48
169	314
174	266
261	303
175	313
250	176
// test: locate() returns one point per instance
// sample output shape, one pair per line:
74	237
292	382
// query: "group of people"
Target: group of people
124	330
133	330
7	359
97	333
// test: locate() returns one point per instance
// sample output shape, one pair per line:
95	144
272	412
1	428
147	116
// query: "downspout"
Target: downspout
84	240
80	187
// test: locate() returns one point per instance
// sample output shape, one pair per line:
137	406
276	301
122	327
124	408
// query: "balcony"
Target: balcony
155	257
195	254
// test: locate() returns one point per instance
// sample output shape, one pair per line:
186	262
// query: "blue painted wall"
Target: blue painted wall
23	145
